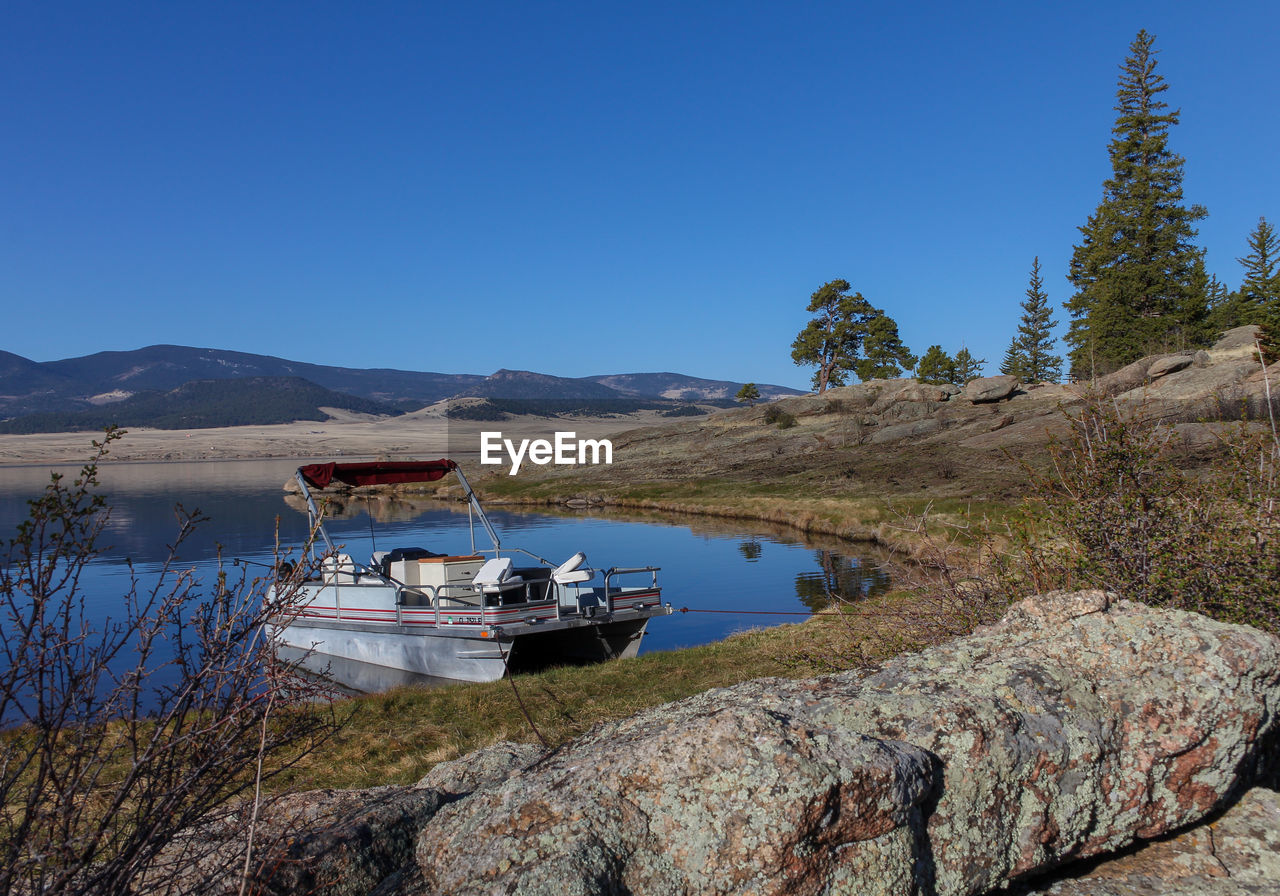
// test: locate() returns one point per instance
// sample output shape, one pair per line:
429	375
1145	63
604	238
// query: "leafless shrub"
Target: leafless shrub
115	739
955	575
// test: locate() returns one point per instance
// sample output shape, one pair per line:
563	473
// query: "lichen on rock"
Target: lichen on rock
1077	725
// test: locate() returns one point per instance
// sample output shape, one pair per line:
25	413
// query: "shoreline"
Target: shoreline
873	519
422	436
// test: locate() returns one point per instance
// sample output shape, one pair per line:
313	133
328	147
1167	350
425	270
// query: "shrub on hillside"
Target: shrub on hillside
1118	511
777	416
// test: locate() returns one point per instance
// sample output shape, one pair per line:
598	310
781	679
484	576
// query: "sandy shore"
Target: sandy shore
421	436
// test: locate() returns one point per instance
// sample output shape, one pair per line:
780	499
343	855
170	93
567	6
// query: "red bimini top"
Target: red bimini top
377	472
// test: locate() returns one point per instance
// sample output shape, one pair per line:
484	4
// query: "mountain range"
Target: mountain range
173	386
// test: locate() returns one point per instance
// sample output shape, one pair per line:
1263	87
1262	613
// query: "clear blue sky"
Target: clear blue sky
583	188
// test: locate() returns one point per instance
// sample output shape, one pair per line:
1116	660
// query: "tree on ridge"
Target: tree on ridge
1036	361
886	355
936	367
967	366
832	340
1136	269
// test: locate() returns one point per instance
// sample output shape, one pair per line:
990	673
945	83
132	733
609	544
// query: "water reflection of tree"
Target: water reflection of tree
750	550
846	579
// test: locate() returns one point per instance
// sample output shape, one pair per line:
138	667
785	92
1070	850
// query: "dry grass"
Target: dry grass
815	507
396	737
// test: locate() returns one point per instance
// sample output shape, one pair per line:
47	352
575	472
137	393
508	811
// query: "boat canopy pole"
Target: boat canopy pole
475	505
314	512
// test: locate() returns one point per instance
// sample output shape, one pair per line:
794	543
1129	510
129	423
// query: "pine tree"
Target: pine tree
1260	291
1015	360
968	367
1135	269
1259	295
1035	334
832	340
750	393
1224	312
886	355
936	367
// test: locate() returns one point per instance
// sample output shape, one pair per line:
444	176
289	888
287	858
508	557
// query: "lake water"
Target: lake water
743	572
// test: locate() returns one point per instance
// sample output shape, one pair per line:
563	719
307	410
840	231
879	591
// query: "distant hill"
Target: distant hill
108	385
206	403
679	387
169	366
27	386
523	385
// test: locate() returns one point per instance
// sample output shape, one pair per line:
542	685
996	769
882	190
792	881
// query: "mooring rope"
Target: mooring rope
748	612
519	701
836	614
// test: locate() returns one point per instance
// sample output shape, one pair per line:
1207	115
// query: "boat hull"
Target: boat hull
466	656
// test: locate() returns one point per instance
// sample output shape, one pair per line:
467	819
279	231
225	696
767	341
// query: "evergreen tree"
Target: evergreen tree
1260	291
886	356
1224	311
750	393
936	367
1136	267
1015	360
1259	295
968	367
832	340
1035	340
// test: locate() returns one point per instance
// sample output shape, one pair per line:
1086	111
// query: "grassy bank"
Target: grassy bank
809	505
396	737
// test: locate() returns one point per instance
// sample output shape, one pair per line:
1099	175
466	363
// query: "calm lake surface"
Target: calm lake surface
738	569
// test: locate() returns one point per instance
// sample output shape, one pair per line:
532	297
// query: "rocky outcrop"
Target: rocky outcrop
1235	855
990	388
480	768
323	842
1240	344
1074	727
1169	364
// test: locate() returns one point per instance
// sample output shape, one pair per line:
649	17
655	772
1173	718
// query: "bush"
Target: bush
776	415
94	786
1120	512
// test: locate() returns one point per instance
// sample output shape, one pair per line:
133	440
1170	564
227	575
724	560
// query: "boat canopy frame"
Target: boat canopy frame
384	473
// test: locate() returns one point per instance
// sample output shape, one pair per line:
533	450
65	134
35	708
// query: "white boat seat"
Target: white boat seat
338	569
569	571
496	575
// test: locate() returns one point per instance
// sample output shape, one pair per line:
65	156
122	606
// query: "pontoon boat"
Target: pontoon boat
470	616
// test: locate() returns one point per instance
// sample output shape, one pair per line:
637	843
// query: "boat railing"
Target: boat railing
610	593
543	560
487	608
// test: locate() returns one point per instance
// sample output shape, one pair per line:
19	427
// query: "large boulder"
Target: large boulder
911	391
1192	386
1169	364
1076	726
1239	344
991	388
896	432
